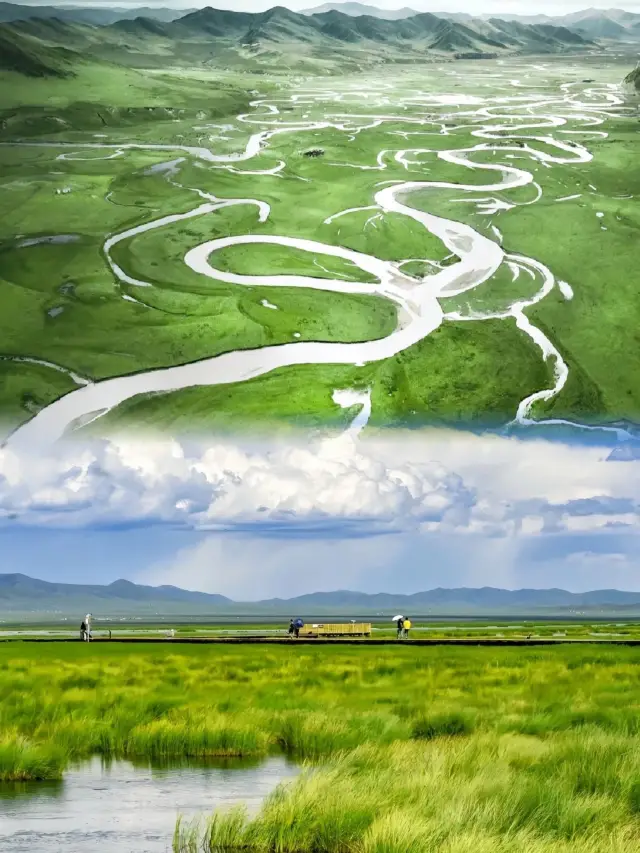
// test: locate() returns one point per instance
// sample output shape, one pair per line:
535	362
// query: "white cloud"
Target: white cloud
225	485
434	480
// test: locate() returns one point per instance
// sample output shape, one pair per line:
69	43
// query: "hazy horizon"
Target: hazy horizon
315	591
512	7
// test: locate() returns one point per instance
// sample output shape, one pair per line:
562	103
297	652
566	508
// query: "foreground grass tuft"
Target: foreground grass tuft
21	760
444	795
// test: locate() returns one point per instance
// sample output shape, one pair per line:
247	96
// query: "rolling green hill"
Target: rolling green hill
222	38
32	56
89	15
356	10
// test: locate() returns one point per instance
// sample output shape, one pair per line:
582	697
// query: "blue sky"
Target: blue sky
248	567
402	513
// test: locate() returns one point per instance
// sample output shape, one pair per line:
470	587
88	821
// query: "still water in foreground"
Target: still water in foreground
117	807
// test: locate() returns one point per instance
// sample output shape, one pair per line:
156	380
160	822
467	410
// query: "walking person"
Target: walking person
406	625
87	633
291	630
399	627
83	630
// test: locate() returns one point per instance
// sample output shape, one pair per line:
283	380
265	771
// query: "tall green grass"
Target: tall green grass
69	701
21	760
490	792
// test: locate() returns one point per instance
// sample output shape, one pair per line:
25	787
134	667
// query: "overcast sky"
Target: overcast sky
253	521
516	7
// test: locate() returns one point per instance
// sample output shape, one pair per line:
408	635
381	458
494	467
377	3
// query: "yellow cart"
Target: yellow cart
337	629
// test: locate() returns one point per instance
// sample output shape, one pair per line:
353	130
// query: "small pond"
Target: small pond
118	807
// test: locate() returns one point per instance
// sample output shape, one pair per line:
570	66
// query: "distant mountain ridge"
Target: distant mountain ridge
357	9
16	584
605	24
96	15
600	24
21	593
315	41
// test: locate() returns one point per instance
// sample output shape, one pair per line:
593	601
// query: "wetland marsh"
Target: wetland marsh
400	749
205	269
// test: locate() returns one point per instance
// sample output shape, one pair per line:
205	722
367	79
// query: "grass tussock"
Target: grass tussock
446	795
22	760
216	736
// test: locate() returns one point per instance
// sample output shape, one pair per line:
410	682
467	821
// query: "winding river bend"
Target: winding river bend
505	123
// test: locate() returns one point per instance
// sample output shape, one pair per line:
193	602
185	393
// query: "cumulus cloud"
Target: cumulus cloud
341	486
224	485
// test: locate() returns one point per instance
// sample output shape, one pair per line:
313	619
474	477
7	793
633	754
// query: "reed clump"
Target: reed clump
22	761
448	795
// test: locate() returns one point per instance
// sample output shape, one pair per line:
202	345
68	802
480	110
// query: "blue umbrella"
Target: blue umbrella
298	623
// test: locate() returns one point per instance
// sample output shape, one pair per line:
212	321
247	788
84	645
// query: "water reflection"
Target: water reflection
121	807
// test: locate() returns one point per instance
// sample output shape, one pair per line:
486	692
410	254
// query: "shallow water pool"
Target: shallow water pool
119	807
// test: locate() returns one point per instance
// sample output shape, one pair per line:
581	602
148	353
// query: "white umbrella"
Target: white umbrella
399	616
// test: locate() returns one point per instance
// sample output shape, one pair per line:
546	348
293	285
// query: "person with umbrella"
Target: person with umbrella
294	627
399	620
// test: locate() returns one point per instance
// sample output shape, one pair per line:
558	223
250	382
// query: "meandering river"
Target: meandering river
504	120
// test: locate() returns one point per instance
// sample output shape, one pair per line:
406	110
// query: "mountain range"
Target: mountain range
617	24
98	16
42	45
356	10
24	595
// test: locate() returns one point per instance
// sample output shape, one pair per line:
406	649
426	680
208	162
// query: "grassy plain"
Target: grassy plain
439	749
61	302
512	628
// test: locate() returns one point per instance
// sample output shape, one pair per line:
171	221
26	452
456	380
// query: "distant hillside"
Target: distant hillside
142	27
32	57
97	16
22	594
598	24
357	9
217	22
600	27
484	597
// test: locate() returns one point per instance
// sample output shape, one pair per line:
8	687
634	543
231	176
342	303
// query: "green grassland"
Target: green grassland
422	384
503	628
61	303
595	256
438	749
